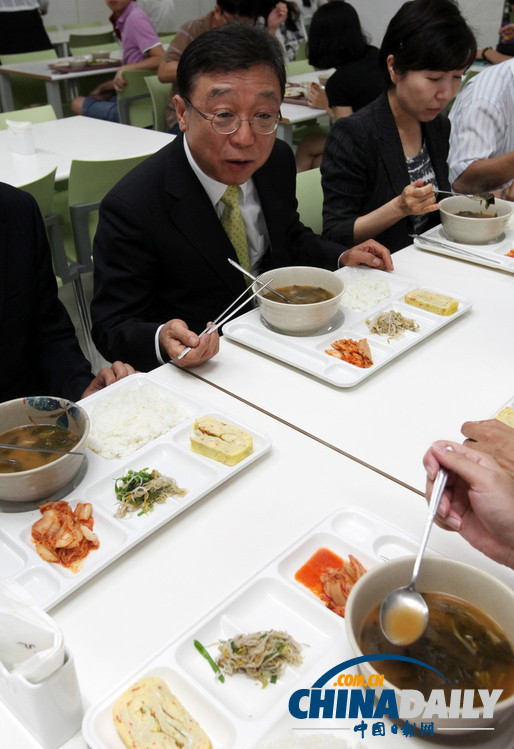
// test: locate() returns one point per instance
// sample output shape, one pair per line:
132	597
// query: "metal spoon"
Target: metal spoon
487	196
254	278
7	446
404	613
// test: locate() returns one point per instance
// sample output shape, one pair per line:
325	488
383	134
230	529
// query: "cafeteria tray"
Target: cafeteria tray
238	713
491	255
170	454
307	353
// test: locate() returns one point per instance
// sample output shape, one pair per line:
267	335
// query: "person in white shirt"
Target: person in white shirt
21	27
482	137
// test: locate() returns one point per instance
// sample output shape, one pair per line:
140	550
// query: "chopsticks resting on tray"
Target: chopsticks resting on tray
224	317
457	250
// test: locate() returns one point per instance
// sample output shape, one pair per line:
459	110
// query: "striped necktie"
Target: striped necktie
232	222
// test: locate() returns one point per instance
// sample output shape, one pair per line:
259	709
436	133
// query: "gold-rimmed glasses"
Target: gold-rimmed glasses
227	122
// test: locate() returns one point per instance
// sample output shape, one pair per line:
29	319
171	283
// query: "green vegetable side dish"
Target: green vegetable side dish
140	490
259	655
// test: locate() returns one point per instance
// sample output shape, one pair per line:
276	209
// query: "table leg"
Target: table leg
54	97
285	132
6	96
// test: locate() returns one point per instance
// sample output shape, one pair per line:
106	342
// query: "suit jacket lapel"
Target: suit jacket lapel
3	267
391	151
193	214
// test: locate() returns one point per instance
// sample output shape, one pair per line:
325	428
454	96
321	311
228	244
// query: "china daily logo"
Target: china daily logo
337	694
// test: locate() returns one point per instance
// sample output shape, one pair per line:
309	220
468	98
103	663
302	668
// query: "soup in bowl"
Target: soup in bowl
468	644
313	294
44	423
470	221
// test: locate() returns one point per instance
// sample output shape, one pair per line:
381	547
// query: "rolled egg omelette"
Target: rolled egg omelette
149	715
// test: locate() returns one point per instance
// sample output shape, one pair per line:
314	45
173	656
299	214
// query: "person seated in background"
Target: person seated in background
482	137
141	50
224	12
290	30
336	41
383	165
223	188
478	501
41	354
308	8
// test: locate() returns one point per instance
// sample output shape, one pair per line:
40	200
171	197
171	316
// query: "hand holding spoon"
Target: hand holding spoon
404	613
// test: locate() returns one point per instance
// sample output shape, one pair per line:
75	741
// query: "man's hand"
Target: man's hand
175	336
370	253
494	438
107	376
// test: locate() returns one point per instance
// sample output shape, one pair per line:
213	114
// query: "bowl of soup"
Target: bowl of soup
313	299
470	221
468	643
44	423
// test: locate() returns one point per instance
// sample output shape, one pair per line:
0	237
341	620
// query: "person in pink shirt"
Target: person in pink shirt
141	50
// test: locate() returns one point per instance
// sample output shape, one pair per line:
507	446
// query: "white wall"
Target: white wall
483	15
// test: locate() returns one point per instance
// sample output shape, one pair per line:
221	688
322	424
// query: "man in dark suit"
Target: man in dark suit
161	249
40	354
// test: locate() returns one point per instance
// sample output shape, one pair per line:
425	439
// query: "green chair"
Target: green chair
111	47
32	114
134	102
167	38
28	91
301	52
82	25
66	269
309	195
160	94
298	67
90	40
52	27
89	182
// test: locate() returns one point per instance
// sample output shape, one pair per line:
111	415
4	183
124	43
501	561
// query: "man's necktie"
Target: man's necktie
232	222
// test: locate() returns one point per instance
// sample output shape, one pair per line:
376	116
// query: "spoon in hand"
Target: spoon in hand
404	612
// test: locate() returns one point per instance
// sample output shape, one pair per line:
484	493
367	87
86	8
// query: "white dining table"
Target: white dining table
58	142
462	372
40	70
297	114
173	579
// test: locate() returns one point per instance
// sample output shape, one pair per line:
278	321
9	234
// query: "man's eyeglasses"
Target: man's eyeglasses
226	123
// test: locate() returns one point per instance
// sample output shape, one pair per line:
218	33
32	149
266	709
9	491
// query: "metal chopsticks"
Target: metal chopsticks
257	280
224	317
456	250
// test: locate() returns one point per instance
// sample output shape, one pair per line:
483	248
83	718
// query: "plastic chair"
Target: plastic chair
301	52
32	114
90	40
82	25
160	94
66	269
111	47
309	195
52	27
134	102
298	67
27	91
89	182
167	38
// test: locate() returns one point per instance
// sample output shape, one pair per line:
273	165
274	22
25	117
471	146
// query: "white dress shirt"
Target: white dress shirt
251	213
482	118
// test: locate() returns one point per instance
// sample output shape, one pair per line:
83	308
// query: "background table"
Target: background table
40	70
58	142
296	114
168	582
463	372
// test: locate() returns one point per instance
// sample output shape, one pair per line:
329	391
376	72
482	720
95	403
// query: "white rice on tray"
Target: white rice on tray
125	422
364	293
